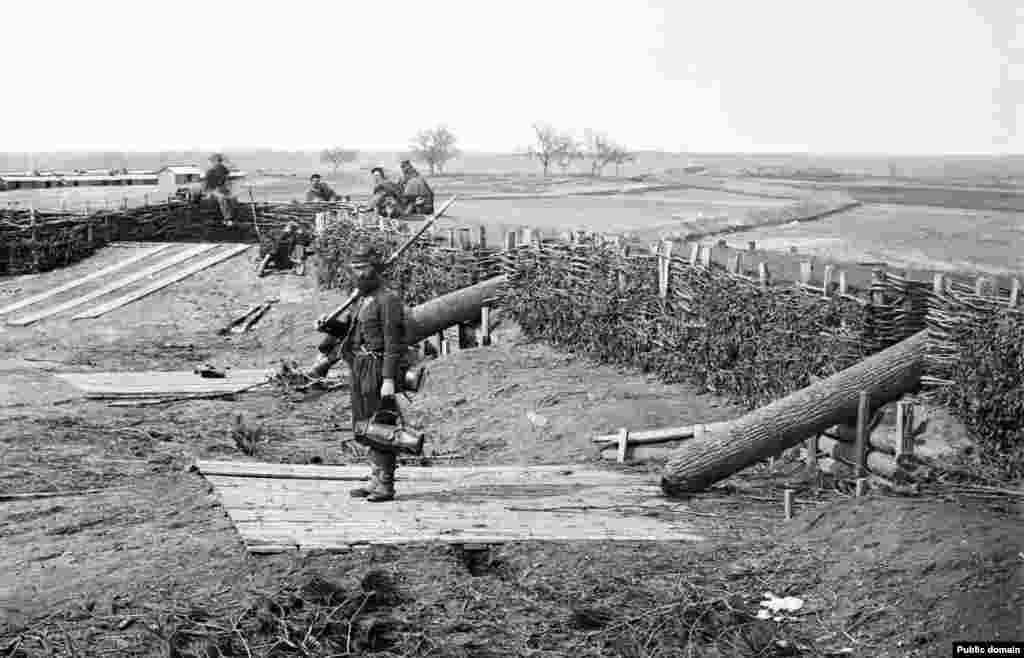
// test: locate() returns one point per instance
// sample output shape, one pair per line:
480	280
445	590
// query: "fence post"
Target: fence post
863	431
827	277
877	293
736	263
982	286
705	257
465	239
763	278
1014	292
939	284
694	254
483	236
905	428
485	325
510	240
664	268
806	272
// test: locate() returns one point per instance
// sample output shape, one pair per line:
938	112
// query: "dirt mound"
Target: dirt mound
904	568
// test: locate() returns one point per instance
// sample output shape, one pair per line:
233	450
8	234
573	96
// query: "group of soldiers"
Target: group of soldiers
410	195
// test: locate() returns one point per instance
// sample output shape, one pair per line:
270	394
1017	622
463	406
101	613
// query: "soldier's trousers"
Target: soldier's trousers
223	198
365	380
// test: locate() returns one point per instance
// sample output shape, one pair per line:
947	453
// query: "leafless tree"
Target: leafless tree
337	156
435	147
552	147
602	152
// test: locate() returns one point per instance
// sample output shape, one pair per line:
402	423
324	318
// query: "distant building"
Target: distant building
173	177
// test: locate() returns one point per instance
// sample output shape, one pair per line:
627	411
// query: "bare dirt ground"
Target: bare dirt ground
152	565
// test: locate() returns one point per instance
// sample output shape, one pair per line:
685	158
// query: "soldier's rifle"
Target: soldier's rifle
391	260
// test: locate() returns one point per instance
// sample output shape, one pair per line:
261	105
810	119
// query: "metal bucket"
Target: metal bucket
413	379
391	438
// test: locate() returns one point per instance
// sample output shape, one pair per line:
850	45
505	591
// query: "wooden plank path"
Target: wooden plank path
154	384
35	299
116	285
279	507
136	295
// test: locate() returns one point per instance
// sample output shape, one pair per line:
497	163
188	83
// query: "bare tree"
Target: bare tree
621	156
435	147
337	156
552	146
602	152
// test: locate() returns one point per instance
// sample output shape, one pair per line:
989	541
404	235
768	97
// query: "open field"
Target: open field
914	237
154	565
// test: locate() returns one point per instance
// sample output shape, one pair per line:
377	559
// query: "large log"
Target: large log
732	446
462	306
425	320
877	462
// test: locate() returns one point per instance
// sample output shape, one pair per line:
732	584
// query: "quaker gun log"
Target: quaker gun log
731	446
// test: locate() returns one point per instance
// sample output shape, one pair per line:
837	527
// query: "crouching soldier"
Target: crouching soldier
374	349
288	251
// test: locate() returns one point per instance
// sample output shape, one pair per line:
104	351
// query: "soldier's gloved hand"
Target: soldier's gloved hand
387	389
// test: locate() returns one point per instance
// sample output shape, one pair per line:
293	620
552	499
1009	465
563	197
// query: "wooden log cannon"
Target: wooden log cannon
728	447
460	306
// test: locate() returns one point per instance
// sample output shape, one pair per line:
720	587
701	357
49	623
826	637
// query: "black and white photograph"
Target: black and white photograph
451	329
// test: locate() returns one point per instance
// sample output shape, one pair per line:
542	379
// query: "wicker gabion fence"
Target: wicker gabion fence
748	324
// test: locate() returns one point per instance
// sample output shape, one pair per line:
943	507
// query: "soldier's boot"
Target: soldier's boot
385	489
372	485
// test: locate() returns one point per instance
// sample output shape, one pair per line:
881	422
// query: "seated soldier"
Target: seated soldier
287	252
417	197
386	199
319	191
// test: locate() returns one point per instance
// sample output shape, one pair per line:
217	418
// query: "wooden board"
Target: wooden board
106	290
161	284
162	383
35	299
285	506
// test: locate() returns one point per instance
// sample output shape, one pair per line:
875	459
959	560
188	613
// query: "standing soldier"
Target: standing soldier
373	347
215	184
319	191
417	197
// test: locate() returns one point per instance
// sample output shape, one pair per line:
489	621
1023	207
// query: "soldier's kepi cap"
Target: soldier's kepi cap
365	255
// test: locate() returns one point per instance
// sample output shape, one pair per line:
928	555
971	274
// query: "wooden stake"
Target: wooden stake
736	263
861	487
664	268
905	428
843	286
451	238
811	459
623	439
1015	293
446	347
939	284
705	257
483	236
827	278
863	429
788	503
694	254
510	241
762	275
981	285
485	325
878	296
806	271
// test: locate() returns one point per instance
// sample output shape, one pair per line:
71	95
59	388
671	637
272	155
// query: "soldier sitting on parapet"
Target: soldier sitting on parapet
319	191
216	184
417	197
386	199
287	251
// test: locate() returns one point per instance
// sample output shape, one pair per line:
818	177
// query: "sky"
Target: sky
914	77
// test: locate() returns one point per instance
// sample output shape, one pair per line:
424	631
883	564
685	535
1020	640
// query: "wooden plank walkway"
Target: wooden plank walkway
154	384
278	507
116	285
136	295
52	292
